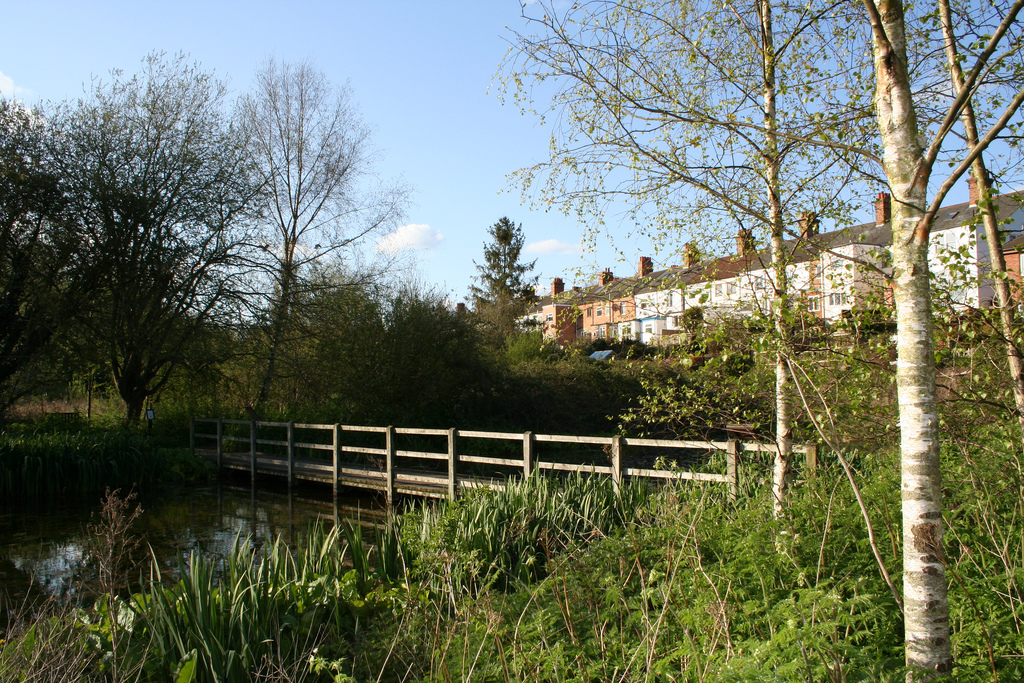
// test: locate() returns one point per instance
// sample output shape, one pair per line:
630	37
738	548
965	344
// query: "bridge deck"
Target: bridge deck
366	476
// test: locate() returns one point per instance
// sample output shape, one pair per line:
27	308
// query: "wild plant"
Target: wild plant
46	644
43	464
112	545
262	611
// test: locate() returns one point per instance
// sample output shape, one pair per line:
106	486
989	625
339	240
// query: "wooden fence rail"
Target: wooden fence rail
297	459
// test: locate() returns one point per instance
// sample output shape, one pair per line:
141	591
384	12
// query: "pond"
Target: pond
45	544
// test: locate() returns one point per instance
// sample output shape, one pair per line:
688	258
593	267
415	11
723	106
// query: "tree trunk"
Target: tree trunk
279	320
783	382
926	612
997	262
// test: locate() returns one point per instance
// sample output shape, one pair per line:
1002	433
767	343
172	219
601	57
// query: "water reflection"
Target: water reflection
47	545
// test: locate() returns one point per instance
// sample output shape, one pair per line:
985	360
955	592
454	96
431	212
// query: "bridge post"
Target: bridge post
812	459
731	470
453	462
192	435
617	464
252	450
528	462
220	443
291	454
334	466
389	446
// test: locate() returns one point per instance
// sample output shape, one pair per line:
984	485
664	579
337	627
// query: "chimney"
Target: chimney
575	289
808	225
883	209
744	242
605	277
691	256
972	183
646	266
557	286
460	308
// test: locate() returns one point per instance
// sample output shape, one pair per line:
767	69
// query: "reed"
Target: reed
48	464
262	610
507	537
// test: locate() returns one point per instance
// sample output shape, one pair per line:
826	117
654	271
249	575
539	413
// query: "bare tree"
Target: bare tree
320	198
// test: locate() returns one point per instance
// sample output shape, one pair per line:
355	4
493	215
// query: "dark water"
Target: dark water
45	544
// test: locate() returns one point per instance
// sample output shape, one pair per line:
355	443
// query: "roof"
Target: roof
801	250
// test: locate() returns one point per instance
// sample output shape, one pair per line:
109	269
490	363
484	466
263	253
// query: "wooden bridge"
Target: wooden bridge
322	454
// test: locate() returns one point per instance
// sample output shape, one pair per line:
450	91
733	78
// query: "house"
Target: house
829	274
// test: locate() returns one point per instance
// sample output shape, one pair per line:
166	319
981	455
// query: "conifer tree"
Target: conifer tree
505	284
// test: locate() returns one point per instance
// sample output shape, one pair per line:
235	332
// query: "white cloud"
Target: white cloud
11	91
410	236
552	246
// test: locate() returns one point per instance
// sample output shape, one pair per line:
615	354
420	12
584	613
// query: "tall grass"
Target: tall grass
261	610
507	537
50	464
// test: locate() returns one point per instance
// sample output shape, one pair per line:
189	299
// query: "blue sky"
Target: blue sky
423	74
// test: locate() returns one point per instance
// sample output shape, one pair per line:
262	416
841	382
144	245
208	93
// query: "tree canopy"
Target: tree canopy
505	284
162	188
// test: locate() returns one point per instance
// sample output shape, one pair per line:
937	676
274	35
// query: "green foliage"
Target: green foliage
165	262
503	277
527	347
505	538
275	608
51	464
39	285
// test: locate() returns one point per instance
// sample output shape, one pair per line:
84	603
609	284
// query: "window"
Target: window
590	312
648	329
549	317
814	304
599	332
669	299
838	299
732	288
600	311
760	284
718	290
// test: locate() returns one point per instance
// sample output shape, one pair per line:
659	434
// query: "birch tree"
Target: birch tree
321	199
981	176
697	108
911	147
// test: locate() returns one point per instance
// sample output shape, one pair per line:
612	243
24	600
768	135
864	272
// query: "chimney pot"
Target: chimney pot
605	277
557	286
883	208
744	242
808	225
690	255
460	308
646	266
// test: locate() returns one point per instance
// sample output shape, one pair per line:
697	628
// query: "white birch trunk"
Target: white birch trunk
783	391
926	612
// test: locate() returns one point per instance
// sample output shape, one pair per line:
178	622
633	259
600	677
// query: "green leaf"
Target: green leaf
187	668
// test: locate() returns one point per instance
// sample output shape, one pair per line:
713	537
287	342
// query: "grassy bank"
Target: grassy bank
563	580
50	463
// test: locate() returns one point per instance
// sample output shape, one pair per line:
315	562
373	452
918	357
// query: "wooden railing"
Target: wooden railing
389	477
